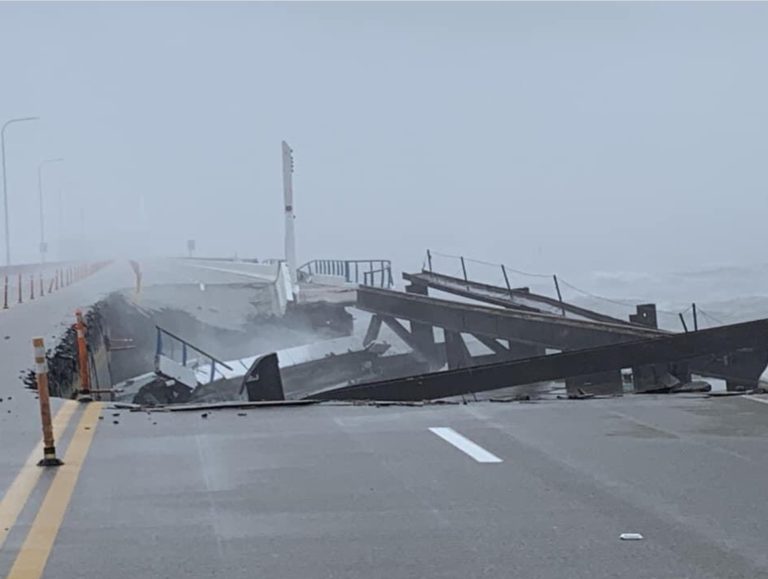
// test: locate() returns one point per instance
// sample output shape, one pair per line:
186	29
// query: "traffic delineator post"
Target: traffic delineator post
42	286
84	394
137	272
31	287
41	369
5	293
19	284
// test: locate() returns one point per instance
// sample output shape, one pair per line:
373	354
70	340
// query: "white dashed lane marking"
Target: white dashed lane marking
756	399
465	445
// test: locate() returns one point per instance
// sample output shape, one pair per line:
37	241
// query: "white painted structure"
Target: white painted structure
286	357
290	238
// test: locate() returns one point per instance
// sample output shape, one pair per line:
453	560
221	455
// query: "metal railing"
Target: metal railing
370	272
170	345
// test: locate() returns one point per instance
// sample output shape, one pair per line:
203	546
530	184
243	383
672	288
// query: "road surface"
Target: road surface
49	316
400	492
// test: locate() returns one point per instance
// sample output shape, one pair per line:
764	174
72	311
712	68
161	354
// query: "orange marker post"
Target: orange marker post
84	395
41	369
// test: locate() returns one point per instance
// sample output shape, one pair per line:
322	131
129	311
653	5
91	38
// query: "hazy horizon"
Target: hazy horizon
551	136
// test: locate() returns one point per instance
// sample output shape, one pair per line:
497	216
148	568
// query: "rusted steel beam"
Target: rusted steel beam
723	341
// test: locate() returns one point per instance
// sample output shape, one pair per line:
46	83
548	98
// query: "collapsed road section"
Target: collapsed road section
190	344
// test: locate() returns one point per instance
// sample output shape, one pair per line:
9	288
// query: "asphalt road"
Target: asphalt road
356	491
49	316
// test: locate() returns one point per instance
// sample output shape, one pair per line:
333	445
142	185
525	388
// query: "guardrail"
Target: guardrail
369	272
23	283
170	346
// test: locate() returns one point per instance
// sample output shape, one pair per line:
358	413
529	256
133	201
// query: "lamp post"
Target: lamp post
43	246
5	185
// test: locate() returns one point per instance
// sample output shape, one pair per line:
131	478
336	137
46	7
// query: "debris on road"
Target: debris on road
631	537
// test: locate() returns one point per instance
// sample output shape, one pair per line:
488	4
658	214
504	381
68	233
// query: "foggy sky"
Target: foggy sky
552	137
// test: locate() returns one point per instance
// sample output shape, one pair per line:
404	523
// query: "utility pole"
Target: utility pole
290	239
5	185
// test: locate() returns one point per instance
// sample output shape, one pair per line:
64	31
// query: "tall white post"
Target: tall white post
290	239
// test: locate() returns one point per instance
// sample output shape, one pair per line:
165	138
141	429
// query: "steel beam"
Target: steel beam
534	328
721	341
374	327
424	334
493	345
516	298
456	352
407	337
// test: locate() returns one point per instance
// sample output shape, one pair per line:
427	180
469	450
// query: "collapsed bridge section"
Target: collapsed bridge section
520	330
724	344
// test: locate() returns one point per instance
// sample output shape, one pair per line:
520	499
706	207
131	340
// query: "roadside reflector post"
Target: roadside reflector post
137	272
41	369
31	287
42	287
84	395
5	293
19	284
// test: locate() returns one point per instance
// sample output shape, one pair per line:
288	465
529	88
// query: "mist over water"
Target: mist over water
612	144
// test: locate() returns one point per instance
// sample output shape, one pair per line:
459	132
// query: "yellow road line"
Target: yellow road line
21	488
34	553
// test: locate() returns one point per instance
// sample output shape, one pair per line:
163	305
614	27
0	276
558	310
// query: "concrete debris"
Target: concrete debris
693	386
519	398
580	395
124	406
159	392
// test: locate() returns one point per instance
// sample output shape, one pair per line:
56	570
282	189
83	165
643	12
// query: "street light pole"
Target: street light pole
43	247
5	186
